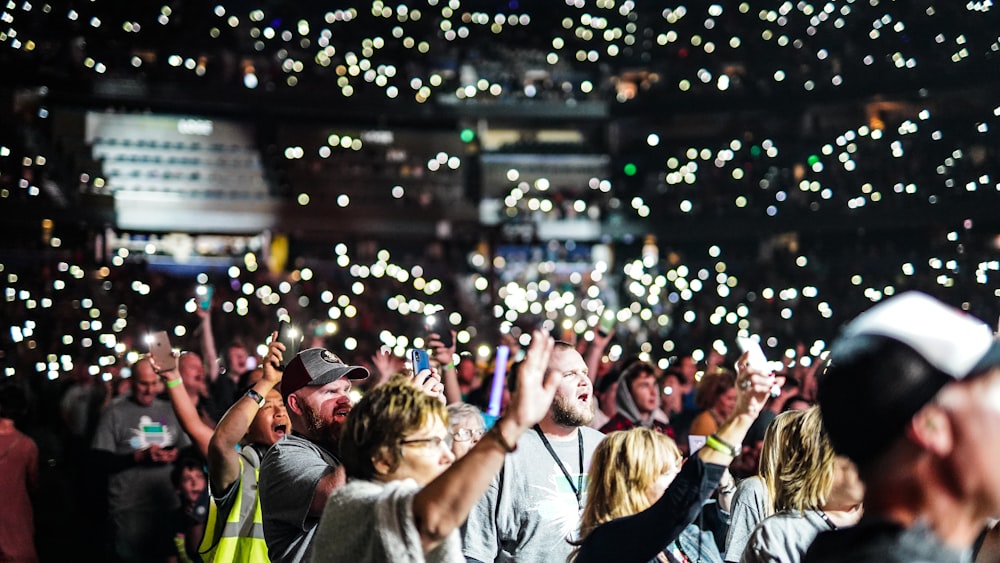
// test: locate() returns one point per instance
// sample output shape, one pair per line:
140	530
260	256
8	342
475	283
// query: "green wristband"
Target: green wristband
720	445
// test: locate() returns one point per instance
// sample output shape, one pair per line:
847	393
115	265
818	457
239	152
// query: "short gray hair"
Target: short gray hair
463	411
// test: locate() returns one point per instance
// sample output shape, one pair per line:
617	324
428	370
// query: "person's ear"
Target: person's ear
382	463
293	404
931	430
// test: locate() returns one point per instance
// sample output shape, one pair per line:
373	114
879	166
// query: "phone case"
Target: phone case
159	348
204	293
607	323
444	335
420	361
756	358
291	338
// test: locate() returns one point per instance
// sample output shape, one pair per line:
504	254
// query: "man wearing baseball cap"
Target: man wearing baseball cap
299	472
912	396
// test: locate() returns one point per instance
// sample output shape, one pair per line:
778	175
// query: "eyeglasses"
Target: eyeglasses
466	434
427	445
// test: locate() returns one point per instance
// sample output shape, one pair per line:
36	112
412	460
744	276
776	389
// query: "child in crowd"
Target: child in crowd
188	524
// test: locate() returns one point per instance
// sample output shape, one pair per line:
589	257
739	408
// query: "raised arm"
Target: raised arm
650	531
445	357
196	429
595	352
753	388
223	459
208	351
442	506
386	365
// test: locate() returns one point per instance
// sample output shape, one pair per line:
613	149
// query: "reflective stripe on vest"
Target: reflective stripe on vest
238	539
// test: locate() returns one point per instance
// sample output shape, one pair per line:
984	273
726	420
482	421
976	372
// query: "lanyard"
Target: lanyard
827	520
578	486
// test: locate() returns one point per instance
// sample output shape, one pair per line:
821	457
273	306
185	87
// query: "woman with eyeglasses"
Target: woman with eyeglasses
467	427
406	496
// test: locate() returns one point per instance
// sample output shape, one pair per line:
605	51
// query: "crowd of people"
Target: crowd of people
878	456
653	440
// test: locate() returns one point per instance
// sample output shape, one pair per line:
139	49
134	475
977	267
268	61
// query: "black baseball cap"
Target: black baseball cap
891	361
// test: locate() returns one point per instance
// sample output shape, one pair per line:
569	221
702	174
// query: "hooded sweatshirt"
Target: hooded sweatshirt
628	413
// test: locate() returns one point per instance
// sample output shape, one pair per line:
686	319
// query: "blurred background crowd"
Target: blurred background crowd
375	171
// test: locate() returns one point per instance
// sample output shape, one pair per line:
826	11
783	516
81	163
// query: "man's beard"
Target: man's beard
322	431
567	411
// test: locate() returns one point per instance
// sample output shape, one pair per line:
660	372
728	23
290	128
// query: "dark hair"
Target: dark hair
713	385
800	398
512	376
868	393
681	378
13	402
636	369
605	382
185	461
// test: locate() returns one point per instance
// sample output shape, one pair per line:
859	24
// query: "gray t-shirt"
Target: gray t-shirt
747	511
784	537
529	511
289	474
371	522
126	426
875	540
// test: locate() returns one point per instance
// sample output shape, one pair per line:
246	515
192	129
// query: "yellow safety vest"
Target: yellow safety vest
234	537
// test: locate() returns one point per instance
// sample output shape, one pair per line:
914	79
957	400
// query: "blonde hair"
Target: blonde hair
805	471
383	417
623	467
771	453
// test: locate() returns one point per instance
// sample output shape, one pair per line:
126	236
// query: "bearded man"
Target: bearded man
299	472
533	505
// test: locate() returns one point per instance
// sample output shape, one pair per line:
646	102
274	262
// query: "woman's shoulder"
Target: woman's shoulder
362	490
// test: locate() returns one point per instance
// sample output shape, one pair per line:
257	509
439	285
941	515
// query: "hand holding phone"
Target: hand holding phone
291	337
160	350
204	293
755	355
443	332
607	323
756	359
419	360
444	336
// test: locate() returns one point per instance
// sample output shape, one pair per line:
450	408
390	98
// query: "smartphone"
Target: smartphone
291	337
204	293
607	323
419	360
159	349
444	335
443	332
757	359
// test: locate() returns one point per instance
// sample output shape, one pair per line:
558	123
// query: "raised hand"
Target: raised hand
753	387
272	362
444	355
429	380
386	363
166	374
